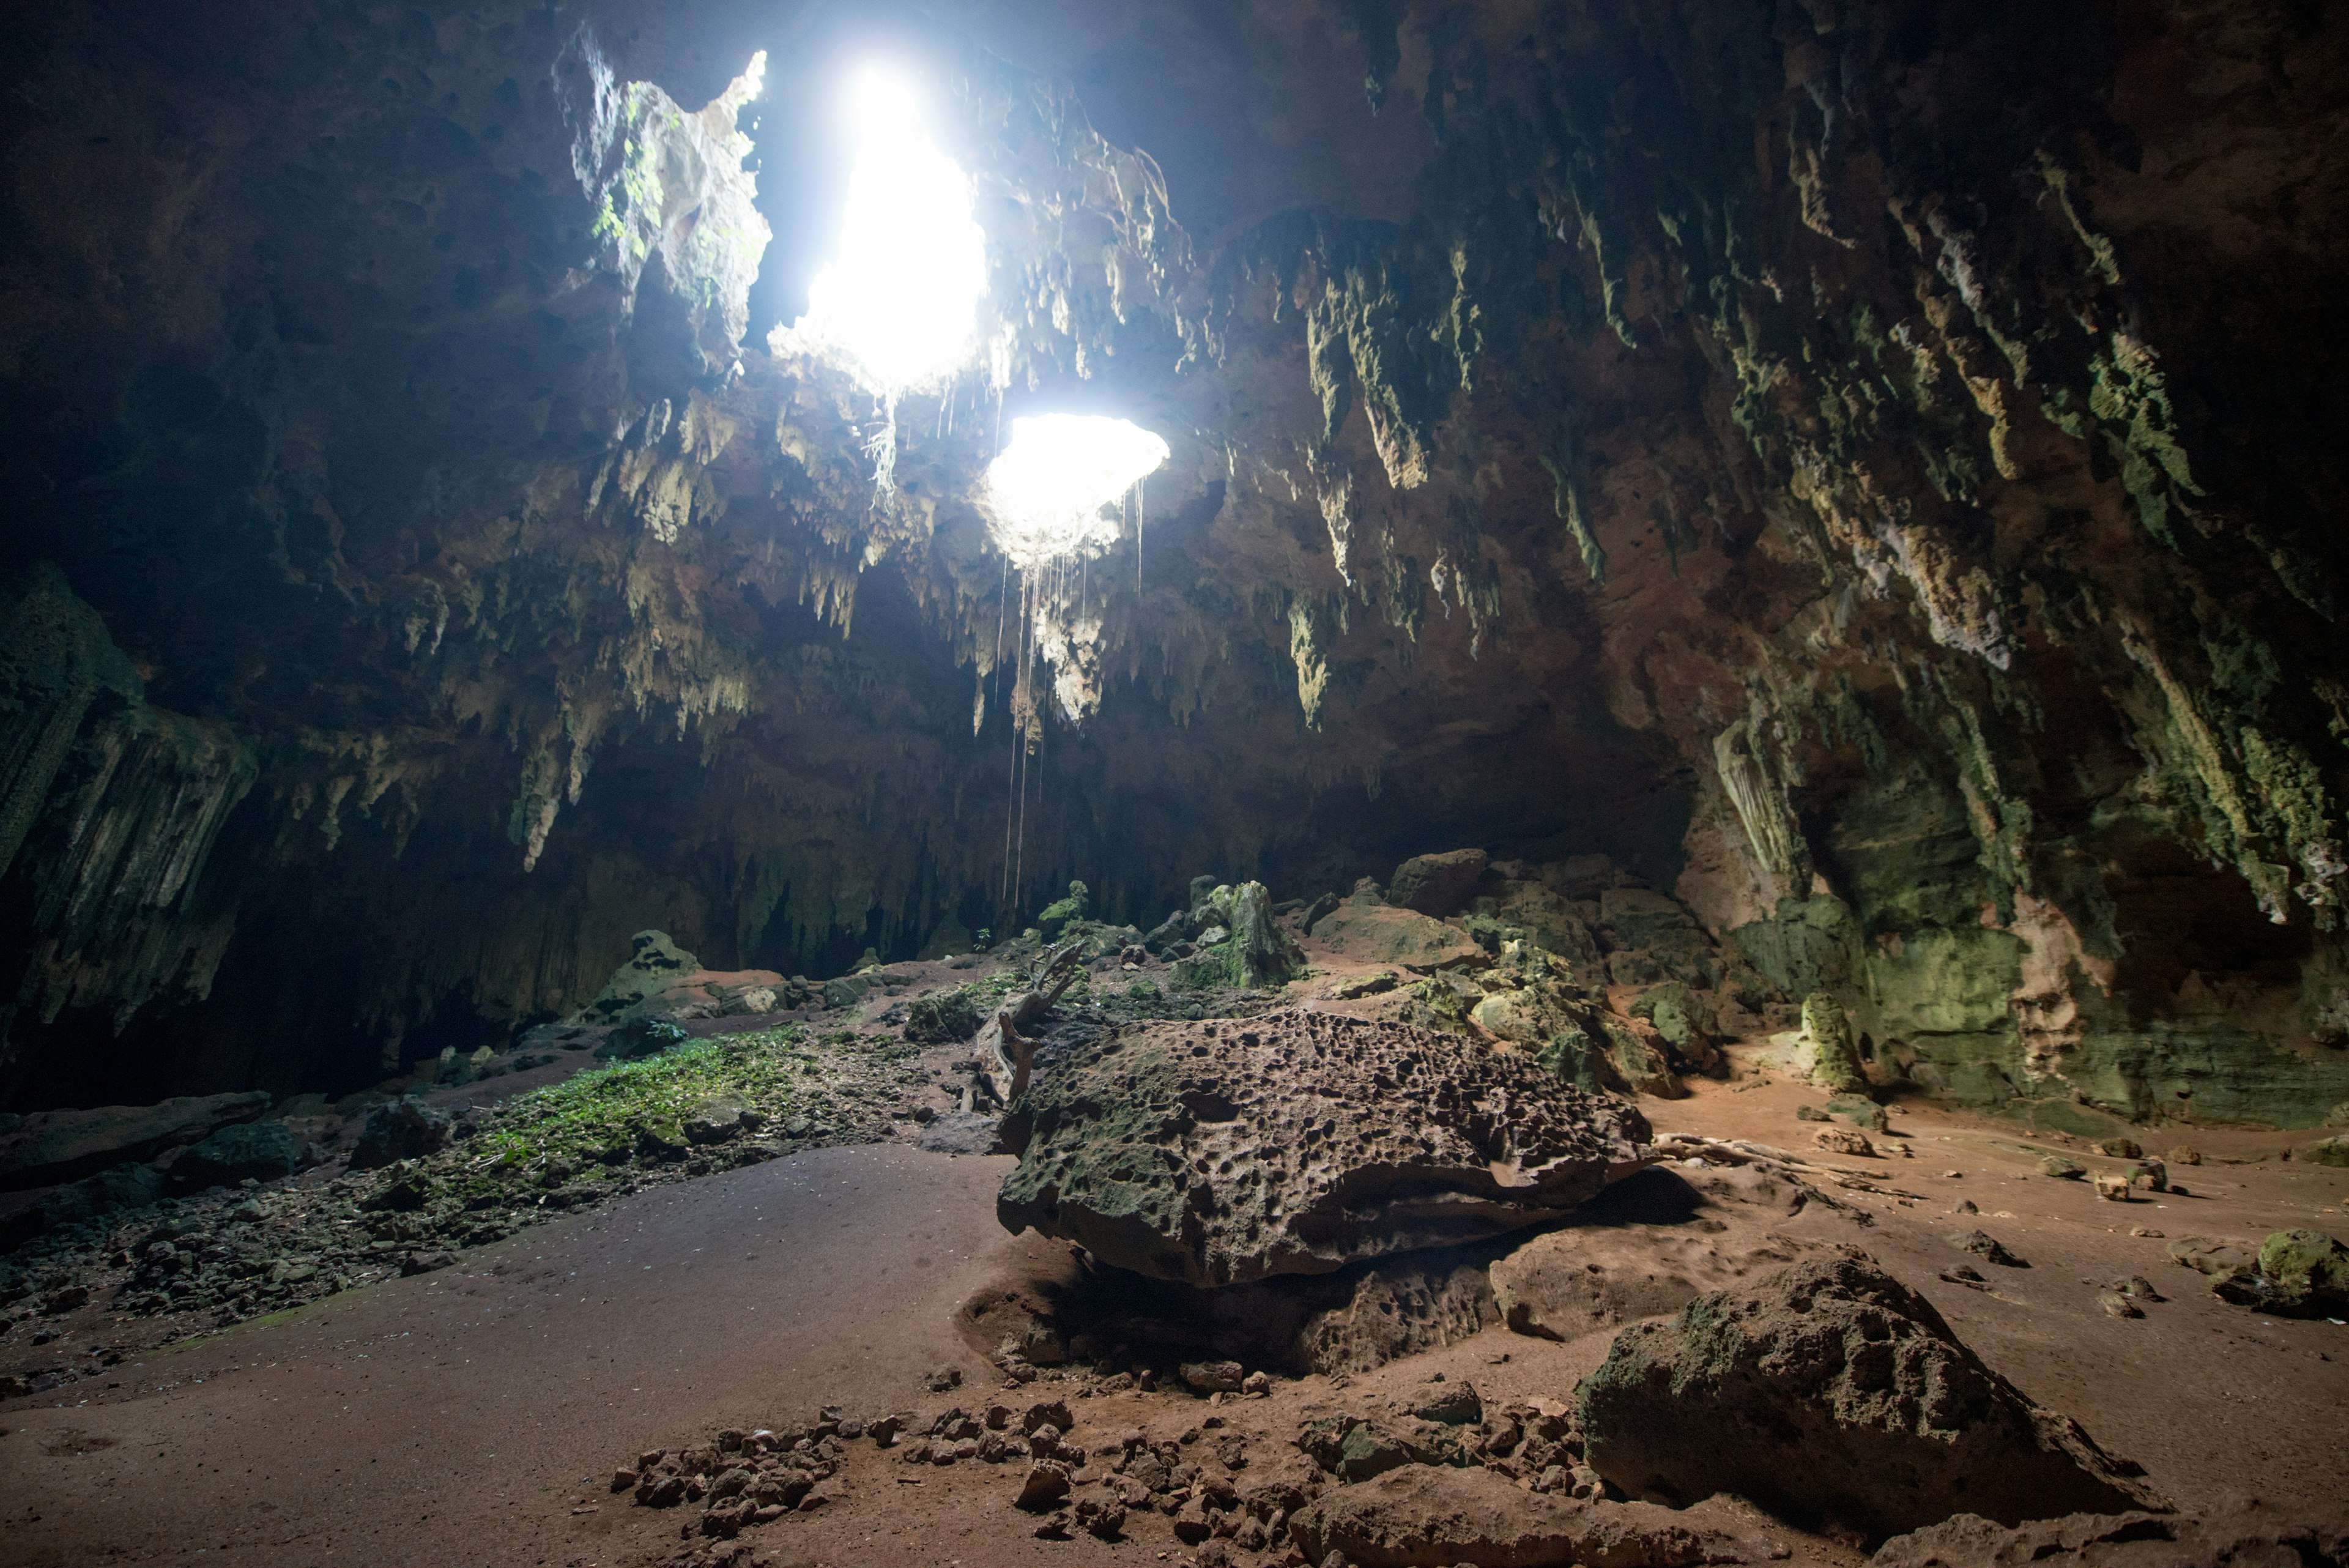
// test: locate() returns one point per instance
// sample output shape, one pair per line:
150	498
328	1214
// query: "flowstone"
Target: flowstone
1220	1152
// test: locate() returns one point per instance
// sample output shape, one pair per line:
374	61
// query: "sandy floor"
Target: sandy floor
473	1416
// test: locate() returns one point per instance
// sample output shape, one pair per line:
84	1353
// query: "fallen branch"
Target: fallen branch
1005	1054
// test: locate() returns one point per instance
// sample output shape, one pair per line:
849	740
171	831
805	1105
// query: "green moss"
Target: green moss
1834	1054
947	1017
1057	915
591	1114
2307	1274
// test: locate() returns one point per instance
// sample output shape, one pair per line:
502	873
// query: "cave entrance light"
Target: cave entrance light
1047	494
899	303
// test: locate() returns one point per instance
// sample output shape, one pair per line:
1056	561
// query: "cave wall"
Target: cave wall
1864	468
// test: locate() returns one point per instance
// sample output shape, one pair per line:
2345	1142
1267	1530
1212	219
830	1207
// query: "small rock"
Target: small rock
945	1379
2121	1148
2113	1188
2185	1154
1985	1247
2135	1285
1046	1485
2063	1170
1213	1377
2145	1231
1804	1113
1053	1413
1843	1140
1964	1206
2117	1305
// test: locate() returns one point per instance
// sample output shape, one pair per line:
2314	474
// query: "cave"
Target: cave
1274	782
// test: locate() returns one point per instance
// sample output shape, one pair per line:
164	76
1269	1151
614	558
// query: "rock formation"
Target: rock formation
1830	1392
1697	435
1217	1153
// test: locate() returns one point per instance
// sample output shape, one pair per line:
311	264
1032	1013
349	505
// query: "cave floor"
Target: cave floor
475	1415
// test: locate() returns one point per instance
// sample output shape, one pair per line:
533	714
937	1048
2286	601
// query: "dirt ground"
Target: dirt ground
475	1416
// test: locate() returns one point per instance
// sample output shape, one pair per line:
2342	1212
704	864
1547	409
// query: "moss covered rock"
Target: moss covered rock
1827	1053
2307	1273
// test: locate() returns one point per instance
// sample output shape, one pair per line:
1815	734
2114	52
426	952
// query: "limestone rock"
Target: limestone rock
405	1128
2306	1273
961	1132
1423	1516
1240	944
1587	1045
1436	883
1594	1276
2328	1151
942	1018
1843	1140
1365	931
1298	1142
1831	1392
1828	1055
259	1151
654	964
2257	1532
50	1147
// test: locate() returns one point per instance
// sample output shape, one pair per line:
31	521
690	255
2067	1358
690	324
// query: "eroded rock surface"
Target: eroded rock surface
1420	1516
2252	1534
1586	1277
1298	1142
1831	1393
1364	931
59	1146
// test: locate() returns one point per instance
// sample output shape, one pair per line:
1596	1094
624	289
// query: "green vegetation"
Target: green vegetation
1058	914
605	1109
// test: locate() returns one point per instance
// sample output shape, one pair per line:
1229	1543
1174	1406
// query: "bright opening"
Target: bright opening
1047	494
900	302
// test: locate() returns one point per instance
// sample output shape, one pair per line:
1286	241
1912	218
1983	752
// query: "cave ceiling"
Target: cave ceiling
1866	469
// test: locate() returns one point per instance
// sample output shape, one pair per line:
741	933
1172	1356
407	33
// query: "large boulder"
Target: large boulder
2235	1537
654	964
1424	1516
121	1187
255	1151
50	1147
661	978
1436	883
1363	929
405	1128
1831	1393
2294	1274
1298	1142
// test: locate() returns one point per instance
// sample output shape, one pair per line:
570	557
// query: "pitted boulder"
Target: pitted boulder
1295	1143
1831	1393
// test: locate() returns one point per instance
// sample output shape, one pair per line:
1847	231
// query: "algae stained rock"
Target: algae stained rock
1831	1392
1295	1143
